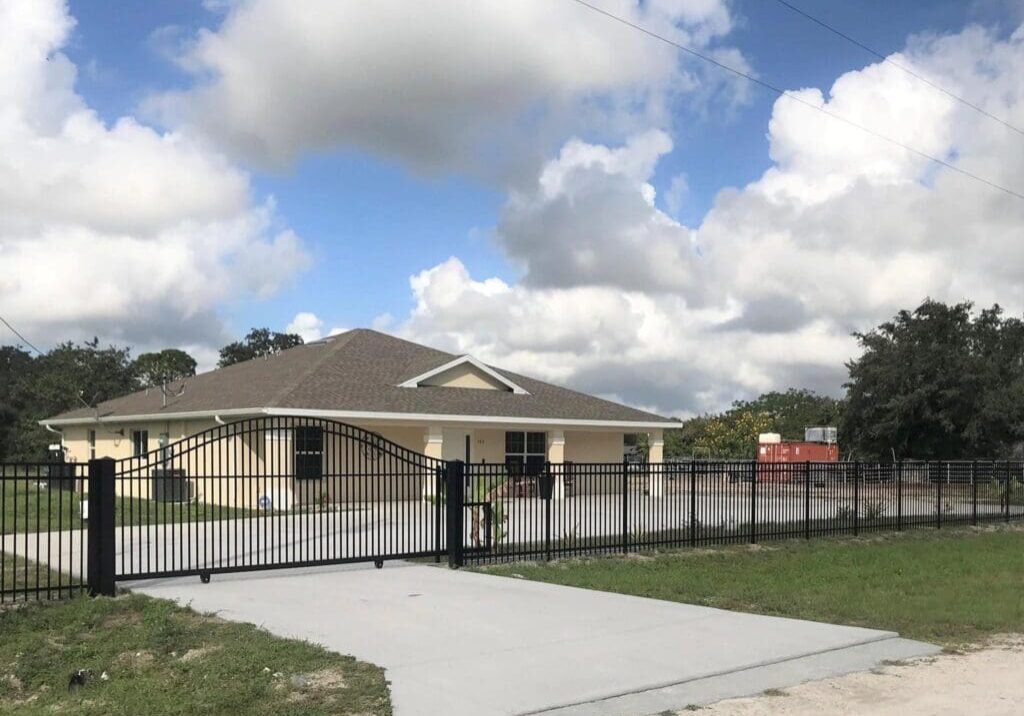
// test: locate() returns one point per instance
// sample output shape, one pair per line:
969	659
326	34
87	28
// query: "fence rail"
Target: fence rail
202	509
573	509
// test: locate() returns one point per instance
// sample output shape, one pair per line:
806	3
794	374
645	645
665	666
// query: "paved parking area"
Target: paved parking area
460	643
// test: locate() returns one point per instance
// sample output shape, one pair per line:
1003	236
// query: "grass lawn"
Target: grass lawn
23	507
162	659
951	586
17	573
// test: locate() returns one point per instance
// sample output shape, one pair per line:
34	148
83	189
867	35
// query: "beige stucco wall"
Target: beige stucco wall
236	471
464	376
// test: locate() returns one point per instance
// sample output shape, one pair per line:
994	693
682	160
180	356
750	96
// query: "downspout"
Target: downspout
217	419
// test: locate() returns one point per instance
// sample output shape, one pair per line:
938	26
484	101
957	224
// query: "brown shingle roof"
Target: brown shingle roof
360	371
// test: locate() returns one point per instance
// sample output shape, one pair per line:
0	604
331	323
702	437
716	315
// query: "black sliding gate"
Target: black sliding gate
270	493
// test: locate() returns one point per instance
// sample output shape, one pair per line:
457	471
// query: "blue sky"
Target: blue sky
482	174
371	223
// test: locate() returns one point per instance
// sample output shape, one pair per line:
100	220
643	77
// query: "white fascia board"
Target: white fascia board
462	419
372	415
151	417
415	382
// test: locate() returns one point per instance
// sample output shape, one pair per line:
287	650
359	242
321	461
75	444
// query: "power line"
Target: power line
886	60
795	98
15	332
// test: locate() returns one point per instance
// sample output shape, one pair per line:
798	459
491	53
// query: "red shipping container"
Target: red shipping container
769	454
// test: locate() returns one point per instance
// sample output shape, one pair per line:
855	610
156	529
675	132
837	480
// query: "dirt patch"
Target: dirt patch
193	654
122	619
134	659
326	680
988	678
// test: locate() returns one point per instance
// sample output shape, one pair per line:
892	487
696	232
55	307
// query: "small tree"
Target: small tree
258	343
165	366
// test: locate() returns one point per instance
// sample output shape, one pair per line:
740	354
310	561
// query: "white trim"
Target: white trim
415	382
372	415
192	415
497	419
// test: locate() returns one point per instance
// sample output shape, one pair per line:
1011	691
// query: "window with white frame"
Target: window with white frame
140	443
525	452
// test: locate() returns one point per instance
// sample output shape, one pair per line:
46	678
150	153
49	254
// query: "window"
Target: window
140	442
309	453
525	453
92	444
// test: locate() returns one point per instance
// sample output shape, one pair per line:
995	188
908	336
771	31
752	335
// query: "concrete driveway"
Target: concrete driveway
459	643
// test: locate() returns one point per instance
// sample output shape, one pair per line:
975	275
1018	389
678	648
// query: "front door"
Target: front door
457	442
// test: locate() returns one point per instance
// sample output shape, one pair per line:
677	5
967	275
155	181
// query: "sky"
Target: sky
532	182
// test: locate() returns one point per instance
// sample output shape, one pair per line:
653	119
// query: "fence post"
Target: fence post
693	503
899	496
938	496
626	507
454	503
753	502
1007	490
856	498
440	489
546	500
101	527
974	492
807	499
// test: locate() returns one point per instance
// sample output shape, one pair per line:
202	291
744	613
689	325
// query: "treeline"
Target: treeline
69	376
938	382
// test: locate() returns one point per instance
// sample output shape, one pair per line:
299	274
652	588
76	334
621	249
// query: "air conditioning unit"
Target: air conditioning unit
171	485
821	435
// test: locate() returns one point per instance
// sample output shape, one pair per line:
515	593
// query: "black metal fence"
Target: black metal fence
274	493
43	536
572	509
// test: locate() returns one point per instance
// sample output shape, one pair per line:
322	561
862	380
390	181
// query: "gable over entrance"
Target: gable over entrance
464	372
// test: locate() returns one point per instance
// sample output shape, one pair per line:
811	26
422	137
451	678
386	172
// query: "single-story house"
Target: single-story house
425	400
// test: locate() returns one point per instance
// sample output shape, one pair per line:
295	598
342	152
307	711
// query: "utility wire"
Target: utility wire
897	65
15	332
784	93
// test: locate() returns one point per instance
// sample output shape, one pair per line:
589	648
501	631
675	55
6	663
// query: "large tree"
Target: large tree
938	382
68	376
260	342
165	366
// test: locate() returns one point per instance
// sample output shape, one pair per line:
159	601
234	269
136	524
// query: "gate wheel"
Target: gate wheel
378	563
204	577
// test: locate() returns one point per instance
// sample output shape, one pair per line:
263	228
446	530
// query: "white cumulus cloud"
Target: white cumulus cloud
117	230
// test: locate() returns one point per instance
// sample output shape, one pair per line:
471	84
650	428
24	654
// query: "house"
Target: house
424	400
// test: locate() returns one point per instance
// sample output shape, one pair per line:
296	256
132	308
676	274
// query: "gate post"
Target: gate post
440	489
454	499
100	531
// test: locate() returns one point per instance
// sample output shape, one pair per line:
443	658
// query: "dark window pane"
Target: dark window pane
514	442
514	465
534	465
309	439
536	443
308	466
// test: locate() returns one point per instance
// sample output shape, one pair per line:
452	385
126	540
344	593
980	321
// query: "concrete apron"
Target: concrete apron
462	643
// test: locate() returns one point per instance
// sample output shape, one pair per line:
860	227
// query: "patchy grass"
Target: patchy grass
158	658
27	507
18	574
951	586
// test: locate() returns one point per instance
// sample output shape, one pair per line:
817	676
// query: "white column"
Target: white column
655	466
556	454
433	446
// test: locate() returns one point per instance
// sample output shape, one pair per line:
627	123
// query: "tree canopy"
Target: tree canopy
938	382
733	434
258	343
165	366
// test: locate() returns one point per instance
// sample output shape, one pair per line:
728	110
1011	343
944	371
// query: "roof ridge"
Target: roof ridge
287	390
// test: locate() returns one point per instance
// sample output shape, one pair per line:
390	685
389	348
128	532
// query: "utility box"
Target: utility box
171	485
